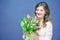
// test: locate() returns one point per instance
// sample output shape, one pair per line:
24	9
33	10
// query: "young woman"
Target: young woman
42	13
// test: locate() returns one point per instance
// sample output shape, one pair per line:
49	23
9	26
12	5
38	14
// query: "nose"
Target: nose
39	12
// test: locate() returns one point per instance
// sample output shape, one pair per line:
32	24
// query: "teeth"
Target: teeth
39	14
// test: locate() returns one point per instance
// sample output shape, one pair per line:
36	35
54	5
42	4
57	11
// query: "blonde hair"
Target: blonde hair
46	8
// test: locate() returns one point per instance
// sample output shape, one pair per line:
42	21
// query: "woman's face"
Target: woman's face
40	12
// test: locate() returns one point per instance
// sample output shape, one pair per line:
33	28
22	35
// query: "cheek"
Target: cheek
36	12
42	12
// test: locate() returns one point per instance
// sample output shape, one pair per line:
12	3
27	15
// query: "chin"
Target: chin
39	16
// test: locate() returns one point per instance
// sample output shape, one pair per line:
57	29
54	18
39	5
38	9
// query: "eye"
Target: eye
37	10
41	10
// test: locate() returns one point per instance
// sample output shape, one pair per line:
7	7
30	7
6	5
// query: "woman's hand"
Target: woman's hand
24	35
35	36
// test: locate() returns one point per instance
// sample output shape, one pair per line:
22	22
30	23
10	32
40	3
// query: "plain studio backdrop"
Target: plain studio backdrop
11	12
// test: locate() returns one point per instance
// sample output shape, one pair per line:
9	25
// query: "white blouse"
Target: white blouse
46	33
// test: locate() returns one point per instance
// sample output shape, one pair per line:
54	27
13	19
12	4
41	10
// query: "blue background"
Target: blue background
11	12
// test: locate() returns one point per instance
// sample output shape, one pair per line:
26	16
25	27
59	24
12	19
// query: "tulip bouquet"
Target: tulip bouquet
29	25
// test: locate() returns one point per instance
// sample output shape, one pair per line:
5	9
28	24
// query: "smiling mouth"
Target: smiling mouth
39	14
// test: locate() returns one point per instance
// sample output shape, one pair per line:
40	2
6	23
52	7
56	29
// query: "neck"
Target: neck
40	19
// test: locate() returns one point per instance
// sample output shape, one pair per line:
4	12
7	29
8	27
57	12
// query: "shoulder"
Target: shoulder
49	24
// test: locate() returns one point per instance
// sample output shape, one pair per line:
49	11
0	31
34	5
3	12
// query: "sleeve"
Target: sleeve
49	30
23	36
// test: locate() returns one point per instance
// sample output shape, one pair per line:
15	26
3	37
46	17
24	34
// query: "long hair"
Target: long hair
47	11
